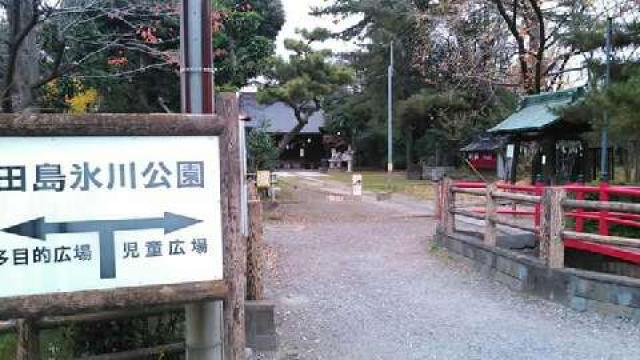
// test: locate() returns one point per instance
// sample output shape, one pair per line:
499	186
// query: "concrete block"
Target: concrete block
631	294
456	246
581	287
484	269
581	290
578	303
511	282
522	272
506	266
260	325
469	252
485	258
610	309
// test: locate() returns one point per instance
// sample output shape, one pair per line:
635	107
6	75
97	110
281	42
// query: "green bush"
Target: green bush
262	151
105	337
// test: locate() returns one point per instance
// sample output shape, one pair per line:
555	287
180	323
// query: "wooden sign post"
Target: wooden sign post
108	212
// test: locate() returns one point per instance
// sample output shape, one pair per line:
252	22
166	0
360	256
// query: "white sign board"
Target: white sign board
356	184
95	213
511	149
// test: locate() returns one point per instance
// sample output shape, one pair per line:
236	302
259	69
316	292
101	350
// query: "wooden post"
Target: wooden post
437	189
490	232
552	225
28	340
255	247
449	201
235	264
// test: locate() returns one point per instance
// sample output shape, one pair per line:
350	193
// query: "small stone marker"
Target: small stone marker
263	179
356	184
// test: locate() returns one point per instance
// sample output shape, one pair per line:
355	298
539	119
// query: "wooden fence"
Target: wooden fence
552	230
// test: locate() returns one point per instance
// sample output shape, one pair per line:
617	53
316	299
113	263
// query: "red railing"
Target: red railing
605	219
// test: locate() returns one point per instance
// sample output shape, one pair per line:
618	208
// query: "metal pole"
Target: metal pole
604	154
204	322
390	114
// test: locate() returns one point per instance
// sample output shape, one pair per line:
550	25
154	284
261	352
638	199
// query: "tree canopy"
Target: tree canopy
127	50
303	81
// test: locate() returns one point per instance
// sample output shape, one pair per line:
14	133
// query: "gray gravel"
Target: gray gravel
359	280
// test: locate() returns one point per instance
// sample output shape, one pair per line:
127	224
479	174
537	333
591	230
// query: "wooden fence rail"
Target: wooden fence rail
600	205
552	206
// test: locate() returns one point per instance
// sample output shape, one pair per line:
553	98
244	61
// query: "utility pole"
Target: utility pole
204	322
390	114
604	154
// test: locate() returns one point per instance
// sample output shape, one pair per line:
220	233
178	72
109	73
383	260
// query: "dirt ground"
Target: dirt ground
360	280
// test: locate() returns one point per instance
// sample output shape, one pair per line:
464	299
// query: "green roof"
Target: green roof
538	111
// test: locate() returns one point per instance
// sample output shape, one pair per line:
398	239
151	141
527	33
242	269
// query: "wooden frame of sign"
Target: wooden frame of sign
225	125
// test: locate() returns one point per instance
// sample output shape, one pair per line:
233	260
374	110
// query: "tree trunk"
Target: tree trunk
537	44
22	70
628	150
286	140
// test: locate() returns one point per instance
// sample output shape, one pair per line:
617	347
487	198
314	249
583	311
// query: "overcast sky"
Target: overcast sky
297	12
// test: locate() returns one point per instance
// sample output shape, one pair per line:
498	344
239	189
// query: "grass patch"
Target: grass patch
7	346
378	181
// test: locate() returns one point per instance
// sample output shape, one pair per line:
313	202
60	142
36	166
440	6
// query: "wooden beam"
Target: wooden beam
601	239
491	231
551	227
448	204
474	192
467	213
62	304
58	321
39	125
28	347
523	198
235	252
437	189
141	353
599	205
255	247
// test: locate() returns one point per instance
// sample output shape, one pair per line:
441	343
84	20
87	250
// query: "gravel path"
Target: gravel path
359	280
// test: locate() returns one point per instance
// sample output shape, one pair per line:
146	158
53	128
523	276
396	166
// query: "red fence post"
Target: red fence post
580	195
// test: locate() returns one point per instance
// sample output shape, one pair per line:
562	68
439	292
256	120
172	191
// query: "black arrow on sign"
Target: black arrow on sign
39	229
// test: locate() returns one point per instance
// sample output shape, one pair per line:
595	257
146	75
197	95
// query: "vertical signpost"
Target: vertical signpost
101	213
204	329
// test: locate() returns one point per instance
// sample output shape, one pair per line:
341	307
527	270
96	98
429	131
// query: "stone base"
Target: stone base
578	289
260	326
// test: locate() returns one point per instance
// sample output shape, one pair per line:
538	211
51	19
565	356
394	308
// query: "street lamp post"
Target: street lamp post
604	154
390	114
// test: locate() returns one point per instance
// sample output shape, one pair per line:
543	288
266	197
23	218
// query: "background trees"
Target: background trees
462	64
